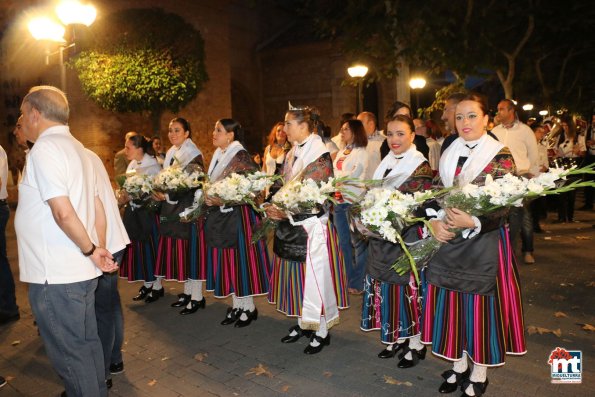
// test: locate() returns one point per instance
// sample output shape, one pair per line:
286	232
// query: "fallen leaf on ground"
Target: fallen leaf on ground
165	359
392	381
201	356
259	370
152	382
558	298
566	285
583	238
327	374
590	284
588	327
547	238
285	388
16	342
532	329
560	314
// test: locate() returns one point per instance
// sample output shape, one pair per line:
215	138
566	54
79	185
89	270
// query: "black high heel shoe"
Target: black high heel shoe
182	301
322	342
253	315
194	306
479	388
386	353
142	293
446	387
416	355
299	333
231	316
155	294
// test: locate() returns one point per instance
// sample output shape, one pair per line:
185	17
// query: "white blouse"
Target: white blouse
353	165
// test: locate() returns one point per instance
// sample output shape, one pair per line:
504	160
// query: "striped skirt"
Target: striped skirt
138	262
393	309
179	259
287	279
486	327
243	271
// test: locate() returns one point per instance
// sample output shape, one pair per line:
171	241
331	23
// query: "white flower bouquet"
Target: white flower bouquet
497	195
385	212
305	196
176	179
138	186
237	189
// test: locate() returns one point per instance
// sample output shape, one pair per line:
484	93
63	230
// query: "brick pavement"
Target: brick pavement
169	355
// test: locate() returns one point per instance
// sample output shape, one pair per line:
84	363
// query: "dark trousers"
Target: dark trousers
590	159
521	221
108	312
8	301
566	206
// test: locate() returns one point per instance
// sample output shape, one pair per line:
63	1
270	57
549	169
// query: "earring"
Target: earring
228	141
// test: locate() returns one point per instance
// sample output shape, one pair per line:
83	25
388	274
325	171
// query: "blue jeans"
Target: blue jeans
351	243
8	301
65	315
108	311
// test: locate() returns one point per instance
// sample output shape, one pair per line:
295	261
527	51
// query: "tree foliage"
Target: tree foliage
142	60
494	38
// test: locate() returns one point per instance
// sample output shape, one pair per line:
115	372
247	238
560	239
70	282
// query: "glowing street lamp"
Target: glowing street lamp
527	107
543	112
358	72
43	28
417	84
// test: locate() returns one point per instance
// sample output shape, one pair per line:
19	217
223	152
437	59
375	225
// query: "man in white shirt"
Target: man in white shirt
375	139
519	138
59	223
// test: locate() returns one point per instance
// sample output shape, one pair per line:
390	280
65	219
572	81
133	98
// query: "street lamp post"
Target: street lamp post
416	84
70	12
358	72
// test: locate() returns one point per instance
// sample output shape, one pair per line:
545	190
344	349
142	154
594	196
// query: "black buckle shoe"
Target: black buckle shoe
194	306
299	333
155	294
446	387
386	353
322	342
231	316
117	368
142	293
479	388
416	355
253	315
182	301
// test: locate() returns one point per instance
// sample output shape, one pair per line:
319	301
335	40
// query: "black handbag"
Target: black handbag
221	228
138	223
291	242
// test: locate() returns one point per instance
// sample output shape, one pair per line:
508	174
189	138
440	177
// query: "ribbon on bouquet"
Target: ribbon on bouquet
170	201
319	293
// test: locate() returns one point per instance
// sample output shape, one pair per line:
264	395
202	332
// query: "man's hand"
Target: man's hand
103	259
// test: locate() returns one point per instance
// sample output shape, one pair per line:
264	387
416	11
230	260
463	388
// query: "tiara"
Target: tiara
291	107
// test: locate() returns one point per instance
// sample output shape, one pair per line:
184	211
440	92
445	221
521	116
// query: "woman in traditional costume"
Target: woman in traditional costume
237	266
182	253
138	263
392	303
308	279
472	303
